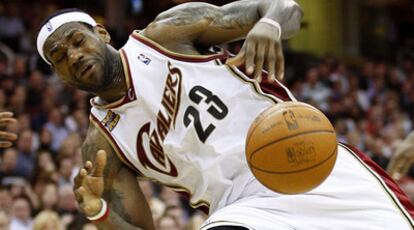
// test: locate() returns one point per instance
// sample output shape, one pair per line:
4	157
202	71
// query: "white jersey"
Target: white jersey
184	121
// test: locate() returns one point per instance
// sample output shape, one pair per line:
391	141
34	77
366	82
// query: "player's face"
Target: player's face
80	56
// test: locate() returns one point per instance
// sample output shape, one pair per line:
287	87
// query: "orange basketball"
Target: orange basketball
291	147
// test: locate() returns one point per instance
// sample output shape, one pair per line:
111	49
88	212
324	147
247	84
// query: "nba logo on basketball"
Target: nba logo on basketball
290	120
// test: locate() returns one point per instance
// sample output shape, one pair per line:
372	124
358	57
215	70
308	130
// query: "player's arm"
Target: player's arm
104	176
203	24
403	158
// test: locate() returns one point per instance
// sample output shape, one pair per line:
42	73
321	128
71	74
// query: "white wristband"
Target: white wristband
273	23
101	213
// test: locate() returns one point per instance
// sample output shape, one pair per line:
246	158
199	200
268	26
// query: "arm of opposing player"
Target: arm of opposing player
104	176
206	25
403	158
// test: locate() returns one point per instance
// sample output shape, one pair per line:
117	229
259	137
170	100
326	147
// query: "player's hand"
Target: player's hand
402	160
6	138
89	185
262	49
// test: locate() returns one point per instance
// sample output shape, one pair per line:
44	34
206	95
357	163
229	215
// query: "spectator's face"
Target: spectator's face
49	196
5	200
21	209
55	116
67	199
9	159
178	214
167	223
25	141
81	57
66	167
169	197
50	225
4	221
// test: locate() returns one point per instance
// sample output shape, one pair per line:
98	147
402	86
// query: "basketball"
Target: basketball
291	147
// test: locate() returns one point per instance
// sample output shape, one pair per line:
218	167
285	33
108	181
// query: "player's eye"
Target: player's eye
78	39
59	57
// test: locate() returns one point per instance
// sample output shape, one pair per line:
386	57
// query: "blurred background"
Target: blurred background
353	59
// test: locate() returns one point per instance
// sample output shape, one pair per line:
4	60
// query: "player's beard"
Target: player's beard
109	76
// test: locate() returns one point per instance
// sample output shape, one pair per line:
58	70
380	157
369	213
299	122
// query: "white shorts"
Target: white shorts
358	195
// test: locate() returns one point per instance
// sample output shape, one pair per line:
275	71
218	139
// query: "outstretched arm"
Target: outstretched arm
403	158
204	25
104	176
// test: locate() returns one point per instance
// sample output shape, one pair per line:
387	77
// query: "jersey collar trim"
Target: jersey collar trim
130	94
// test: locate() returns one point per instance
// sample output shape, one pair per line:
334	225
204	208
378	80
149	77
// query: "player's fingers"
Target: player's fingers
88	166
6	115
271	62
260	56
238	59
5	144
100	162
7	136
78	196
7	121
80	178
280	66
250	56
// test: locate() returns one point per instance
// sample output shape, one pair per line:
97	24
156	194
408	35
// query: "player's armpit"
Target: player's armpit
104	176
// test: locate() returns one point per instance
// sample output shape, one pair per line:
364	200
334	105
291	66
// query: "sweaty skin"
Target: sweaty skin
82	57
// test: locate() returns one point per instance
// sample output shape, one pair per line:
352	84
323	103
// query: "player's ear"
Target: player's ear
102	33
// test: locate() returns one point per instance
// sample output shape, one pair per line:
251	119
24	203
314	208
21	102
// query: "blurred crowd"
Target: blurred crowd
370	102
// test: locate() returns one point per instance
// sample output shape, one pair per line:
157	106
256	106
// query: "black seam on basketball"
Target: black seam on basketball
300	170
284	138
261	120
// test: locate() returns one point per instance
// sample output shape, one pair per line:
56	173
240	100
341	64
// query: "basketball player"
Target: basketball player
403	158
168	109
6	138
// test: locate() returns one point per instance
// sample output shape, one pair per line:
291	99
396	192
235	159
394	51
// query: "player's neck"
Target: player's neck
117	87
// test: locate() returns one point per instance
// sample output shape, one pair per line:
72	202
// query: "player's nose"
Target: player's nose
75	57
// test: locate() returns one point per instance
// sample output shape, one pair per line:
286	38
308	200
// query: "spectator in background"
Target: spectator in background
315	91
4	221
47	220
67	208
26	154
156	205
11	26
5	200
178	213
196	221
49	197
21	214
65	171
57	129
167	223
8	163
